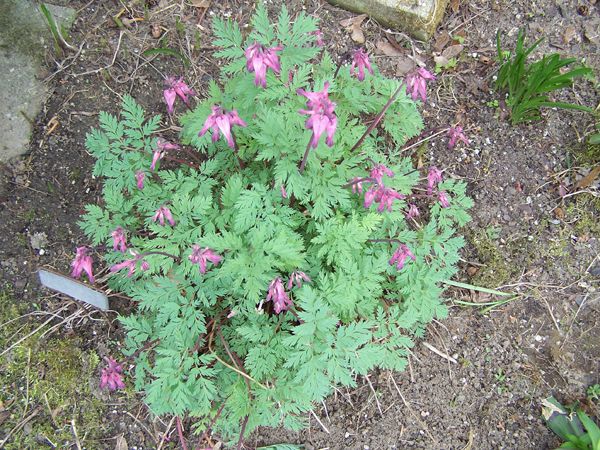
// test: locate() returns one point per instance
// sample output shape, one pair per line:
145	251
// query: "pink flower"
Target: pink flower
144	266
322	119
357	187
278	295
175	87
443	199
258	59
139	179
378	171
283	192
416	83
220	120
296	278
400	255
456	134
319	37
201	255
413	211
433	178
162	148
82	263
163	213
360	59
112	376
119	240
128	264
382	195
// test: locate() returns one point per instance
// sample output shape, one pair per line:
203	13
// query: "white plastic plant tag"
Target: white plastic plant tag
73	288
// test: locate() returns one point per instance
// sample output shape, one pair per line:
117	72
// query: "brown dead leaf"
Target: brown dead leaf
353	26
569	34
559	213
453	51
121	443
441	41
405	65
454	4
156	31
440	60
472	270
588	179
387	49
201	3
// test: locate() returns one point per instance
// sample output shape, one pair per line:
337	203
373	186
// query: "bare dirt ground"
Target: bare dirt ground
486	388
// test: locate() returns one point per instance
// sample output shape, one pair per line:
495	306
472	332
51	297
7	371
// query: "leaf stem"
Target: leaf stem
377	118
180	433
176	258
305	158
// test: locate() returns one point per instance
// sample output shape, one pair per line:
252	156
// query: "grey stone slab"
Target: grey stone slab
418	18
24	40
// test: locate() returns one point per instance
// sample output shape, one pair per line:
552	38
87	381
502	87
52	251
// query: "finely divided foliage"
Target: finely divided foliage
271	285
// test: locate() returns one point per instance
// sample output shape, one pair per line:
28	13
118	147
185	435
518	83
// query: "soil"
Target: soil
485	391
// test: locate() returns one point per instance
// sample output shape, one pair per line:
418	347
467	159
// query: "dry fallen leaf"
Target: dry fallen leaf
453	51
353	26
441	41
156	31
454	4
588	179
569	34
201	3
387	49
121	443
472	270
559	213
440	60
405	65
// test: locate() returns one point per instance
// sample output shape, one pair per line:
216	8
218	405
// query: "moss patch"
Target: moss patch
497	269
50	378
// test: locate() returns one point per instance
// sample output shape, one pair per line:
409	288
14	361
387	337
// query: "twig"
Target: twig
419	421
180	433
425	139
20	425
320	423
106	67
439	353
165	434
326	412
74	430
375	394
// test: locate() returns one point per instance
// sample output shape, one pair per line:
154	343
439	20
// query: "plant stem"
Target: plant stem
359	180
385	240
306	152
212	422
377	119
241	441
176	258
180	433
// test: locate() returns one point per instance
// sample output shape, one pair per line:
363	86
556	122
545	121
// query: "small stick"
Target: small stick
375	394
326	412
419	421
74	429
320	423
439	353
165	434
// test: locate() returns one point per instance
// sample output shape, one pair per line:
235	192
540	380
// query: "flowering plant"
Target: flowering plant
262	272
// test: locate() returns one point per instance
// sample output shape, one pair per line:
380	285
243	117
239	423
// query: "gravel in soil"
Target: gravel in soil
486	391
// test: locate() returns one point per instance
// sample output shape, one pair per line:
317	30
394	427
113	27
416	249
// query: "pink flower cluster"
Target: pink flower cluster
416	83
82	263
201	256
176	87
378	192
130	265
112	376
162	148
434	177
259	59
456	134
163	213
277	294
322	118
400	256
360	60
222	121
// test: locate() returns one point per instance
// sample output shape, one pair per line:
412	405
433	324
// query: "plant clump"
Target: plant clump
282	249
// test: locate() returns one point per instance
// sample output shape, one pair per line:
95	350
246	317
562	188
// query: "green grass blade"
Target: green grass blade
167	52
472	287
